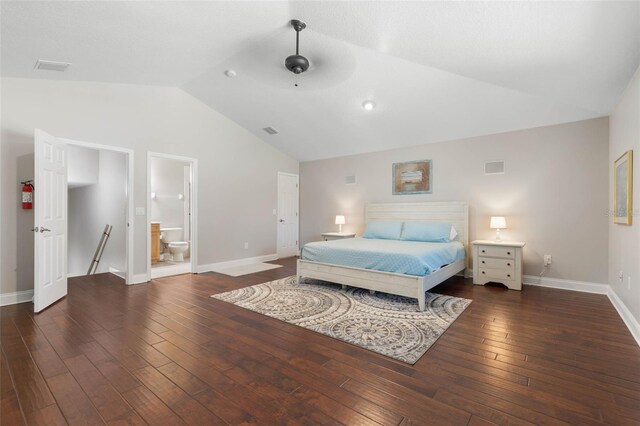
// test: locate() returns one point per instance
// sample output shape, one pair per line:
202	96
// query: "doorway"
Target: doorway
51	212
287	215
171	215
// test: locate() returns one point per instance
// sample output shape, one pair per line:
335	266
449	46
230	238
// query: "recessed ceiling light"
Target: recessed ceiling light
51	65
368	105
230	73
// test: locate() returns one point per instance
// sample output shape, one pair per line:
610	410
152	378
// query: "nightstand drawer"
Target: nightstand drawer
502	252
489	262
497	274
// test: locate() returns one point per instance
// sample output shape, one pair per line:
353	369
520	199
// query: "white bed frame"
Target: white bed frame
453	212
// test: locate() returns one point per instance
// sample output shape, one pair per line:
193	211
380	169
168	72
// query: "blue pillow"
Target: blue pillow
383	230
428	232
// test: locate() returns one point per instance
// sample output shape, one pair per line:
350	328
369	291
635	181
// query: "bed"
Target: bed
415	272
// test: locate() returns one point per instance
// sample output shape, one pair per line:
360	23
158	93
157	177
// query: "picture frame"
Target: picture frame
412	177
623	189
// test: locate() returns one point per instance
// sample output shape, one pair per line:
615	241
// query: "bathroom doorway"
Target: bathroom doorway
171	215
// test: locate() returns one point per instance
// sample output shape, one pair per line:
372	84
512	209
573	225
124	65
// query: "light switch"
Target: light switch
140	211
274	212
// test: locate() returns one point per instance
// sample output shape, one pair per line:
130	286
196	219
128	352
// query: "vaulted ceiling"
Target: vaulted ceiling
437	71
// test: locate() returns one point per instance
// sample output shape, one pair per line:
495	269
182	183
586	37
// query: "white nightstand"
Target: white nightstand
327	236
499	262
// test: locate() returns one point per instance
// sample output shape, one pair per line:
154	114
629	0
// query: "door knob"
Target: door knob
281	220
43	229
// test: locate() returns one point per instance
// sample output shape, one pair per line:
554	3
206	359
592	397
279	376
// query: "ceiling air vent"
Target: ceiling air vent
270	130
51	65
350	180
494	167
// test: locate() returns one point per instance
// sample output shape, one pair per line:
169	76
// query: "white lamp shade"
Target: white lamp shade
340	220
498	222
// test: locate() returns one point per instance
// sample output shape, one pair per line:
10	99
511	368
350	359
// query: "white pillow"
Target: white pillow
453	234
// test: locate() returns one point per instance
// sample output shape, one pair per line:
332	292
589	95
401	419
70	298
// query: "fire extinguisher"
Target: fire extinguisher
27	194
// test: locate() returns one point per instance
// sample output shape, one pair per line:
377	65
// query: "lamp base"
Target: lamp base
340	229
498	235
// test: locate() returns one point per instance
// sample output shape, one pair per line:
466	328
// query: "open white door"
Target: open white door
50	220
287	215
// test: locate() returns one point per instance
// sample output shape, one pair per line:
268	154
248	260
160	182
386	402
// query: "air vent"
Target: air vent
51	65
270	130
494	167
350	180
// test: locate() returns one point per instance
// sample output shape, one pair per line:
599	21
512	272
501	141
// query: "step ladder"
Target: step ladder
103	242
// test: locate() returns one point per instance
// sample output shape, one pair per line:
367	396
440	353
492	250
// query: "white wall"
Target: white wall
624	240
83	166
167	181
237	171
554	192
90	208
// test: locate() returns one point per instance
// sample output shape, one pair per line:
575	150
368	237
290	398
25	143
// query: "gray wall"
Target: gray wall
553	194
624	241
91	207
237	171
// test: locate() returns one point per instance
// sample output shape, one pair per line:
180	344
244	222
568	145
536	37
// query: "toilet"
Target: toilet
172	238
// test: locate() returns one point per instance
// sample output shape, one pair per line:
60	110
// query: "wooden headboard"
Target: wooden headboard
453	212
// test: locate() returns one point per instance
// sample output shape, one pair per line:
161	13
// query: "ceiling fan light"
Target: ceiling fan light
297	64
368	105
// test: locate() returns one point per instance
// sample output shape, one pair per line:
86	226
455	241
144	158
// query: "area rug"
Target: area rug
387	324
236	271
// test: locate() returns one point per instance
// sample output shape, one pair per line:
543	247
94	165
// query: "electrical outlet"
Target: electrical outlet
246	245
547	260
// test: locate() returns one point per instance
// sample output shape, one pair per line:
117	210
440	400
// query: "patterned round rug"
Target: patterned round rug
384	323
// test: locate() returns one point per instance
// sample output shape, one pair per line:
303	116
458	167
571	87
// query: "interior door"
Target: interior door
287	215
50	220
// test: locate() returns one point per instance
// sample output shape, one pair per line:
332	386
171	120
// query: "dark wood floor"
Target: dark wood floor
166	353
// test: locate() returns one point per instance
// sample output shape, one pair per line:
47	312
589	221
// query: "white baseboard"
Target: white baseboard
117	272
140	279
75	275
16	297
583	286
237	262
625	314
587	287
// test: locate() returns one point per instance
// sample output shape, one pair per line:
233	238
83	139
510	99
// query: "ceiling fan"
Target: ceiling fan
297	63
330	61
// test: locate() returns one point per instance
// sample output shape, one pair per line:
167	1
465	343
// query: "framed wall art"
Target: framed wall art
412	177
623	188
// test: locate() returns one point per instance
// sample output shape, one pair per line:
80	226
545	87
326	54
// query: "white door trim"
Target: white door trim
129	277
297	208
194	208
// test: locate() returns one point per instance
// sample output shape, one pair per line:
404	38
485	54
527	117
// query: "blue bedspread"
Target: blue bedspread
403	257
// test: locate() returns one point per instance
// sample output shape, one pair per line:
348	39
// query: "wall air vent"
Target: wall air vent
350	180
270	130
51	65
494	167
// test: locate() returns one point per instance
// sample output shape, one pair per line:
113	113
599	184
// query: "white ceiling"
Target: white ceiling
437	70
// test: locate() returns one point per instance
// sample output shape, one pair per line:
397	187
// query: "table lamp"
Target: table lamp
498	223
340	221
